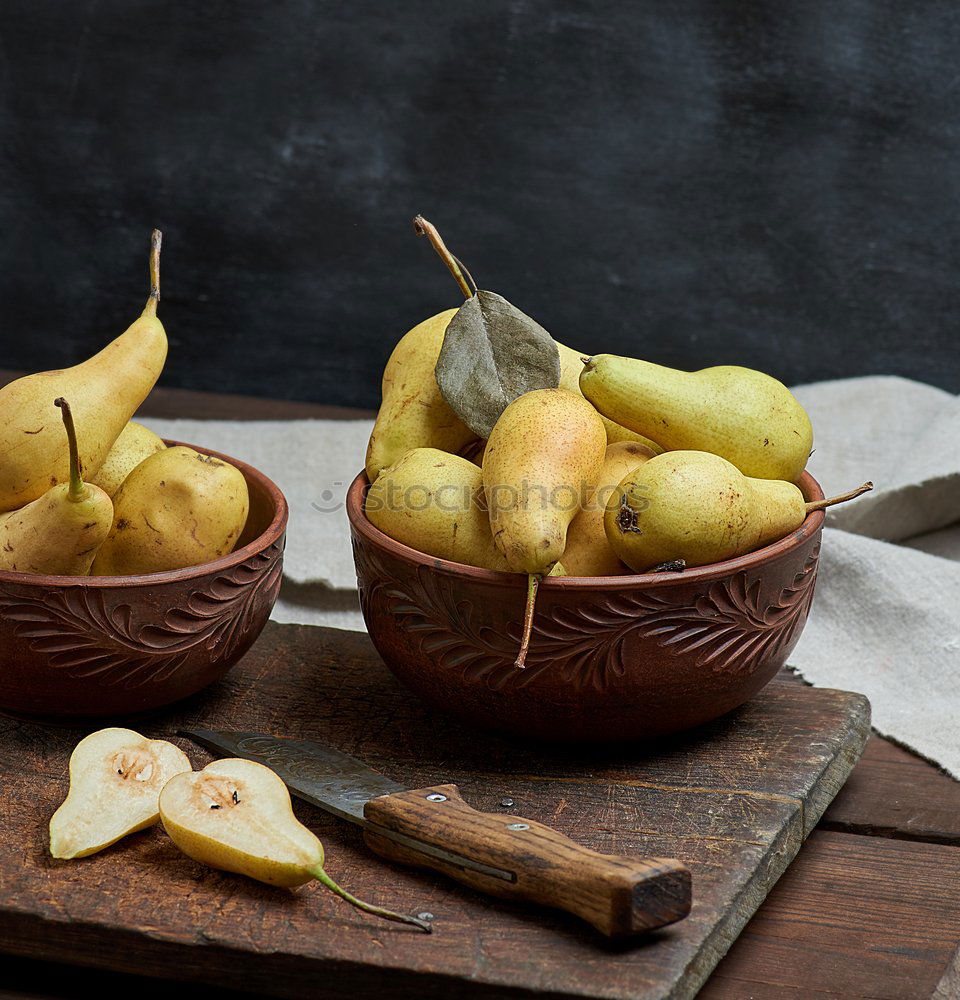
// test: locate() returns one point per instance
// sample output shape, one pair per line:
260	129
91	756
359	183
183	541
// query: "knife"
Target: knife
499	854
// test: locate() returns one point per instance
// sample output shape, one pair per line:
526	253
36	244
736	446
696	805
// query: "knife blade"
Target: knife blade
500	854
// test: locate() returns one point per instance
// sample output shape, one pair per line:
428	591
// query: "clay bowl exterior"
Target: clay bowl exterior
108	645
611	658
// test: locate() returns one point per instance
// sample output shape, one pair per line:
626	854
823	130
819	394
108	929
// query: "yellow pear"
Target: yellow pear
434	502
177	508
104	390
744	416
571	364
699	508
588	553
542	458
135	443
541	462
236	815
413	413
115	781
59	533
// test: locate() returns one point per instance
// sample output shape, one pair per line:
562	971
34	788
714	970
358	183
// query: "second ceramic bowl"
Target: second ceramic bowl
611	658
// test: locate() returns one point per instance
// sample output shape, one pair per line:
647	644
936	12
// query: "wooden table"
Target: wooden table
870	907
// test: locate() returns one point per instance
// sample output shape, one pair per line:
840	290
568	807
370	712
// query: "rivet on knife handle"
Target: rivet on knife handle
620	896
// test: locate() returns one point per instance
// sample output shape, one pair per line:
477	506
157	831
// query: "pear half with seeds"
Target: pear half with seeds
236	815
115	780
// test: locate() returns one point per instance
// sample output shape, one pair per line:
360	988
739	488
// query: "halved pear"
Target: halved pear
115	780
236	815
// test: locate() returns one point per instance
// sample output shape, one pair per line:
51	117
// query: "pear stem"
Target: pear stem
322	877
533	584
78	490
156	239
841	498
424	228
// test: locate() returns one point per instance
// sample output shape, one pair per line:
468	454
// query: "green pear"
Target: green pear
699	508
541	463
60	532
571	364
588	553
177	508
413	413
115	781
135	443
236	815
744	416
434	502
104	390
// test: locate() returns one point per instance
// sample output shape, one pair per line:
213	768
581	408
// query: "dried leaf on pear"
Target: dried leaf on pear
492	353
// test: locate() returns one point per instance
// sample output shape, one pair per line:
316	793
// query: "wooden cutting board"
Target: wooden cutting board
734	800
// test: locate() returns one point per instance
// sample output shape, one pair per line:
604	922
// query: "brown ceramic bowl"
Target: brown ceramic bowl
611	658
105	645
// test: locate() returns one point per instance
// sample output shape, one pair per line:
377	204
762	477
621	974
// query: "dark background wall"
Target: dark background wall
771	184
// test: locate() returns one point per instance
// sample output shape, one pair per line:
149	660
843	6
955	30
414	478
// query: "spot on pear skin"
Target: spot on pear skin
627	518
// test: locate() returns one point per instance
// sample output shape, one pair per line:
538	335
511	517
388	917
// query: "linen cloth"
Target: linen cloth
886	617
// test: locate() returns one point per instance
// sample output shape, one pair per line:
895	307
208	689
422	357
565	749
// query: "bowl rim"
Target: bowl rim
263	541
360	523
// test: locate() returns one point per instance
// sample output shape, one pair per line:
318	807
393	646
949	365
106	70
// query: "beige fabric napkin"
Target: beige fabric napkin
886	618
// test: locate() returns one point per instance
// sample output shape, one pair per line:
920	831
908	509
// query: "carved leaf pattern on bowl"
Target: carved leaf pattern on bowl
730	627
86	636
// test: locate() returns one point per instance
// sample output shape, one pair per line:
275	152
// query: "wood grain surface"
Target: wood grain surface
874	917
733	801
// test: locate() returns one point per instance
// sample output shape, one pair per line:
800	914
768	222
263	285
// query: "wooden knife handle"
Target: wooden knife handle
620	896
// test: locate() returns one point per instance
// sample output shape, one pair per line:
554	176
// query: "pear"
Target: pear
744	416
177	508
135	443
115	781
542	459
434	502
58	533
236	815
699	508
541	462
571	365
105	391
413	413
588	553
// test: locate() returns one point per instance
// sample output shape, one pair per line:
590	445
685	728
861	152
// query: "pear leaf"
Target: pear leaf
491	354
